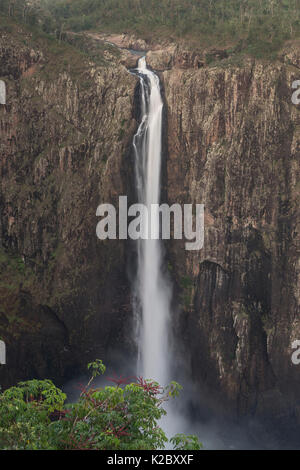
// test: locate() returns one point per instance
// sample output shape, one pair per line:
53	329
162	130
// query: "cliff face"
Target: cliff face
234	143
64	138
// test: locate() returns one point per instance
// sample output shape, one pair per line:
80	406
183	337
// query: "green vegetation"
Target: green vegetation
34	416
257	27
27	11
63	53
187	286
15	277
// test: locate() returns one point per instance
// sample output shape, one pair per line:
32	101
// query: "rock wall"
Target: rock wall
65	136
234	143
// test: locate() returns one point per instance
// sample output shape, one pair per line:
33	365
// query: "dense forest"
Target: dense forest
258	26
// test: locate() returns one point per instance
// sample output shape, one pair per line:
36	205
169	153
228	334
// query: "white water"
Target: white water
152	290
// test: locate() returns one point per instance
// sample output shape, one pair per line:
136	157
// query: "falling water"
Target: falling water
152	289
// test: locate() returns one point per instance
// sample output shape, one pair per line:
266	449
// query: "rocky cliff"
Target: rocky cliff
232	143
65	134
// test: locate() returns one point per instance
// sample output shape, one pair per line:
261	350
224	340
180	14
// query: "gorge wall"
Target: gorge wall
233	145
65	135
233	141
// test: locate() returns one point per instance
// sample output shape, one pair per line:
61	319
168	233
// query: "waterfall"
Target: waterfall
152	289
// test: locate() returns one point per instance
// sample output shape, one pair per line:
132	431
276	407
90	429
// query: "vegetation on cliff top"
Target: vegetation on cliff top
259	26
34	416
28	27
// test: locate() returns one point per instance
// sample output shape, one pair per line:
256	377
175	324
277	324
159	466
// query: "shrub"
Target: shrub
34	416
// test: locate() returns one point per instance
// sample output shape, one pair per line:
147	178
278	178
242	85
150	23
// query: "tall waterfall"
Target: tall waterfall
152	290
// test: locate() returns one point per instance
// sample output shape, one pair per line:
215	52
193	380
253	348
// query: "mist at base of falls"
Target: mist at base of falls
190	414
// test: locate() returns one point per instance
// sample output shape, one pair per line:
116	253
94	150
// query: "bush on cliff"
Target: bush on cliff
34	416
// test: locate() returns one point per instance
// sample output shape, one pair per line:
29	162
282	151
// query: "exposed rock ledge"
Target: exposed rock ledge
124	41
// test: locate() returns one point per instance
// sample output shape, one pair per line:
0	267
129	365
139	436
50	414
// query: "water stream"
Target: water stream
152	289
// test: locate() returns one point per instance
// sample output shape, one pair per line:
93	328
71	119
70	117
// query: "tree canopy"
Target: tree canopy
34	416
